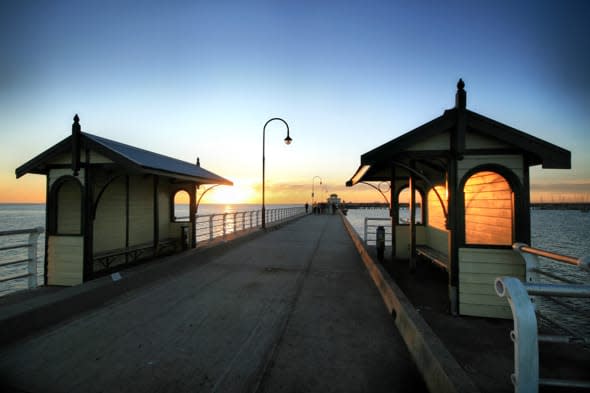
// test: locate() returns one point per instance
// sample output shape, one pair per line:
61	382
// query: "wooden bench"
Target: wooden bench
133	253
440	259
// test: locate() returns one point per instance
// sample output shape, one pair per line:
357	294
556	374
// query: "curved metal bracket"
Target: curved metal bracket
432	186
378	189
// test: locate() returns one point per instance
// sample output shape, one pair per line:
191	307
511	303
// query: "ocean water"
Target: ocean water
562	231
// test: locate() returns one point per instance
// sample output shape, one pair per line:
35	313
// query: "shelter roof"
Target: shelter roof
130	157
376	164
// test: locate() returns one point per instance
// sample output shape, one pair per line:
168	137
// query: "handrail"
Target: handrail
583	263
211	226
370	230
7	274
522	299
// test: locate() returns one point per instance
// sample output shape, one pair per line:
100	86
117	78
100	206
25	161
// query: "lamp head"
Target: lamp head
288	140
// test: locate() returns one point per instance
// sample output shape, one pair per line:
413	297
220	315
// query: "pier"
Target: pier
291	309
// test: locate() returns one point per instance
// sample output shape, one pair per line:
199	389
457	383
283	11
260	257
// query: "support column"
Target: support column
454	211
412	218
393	213
193	213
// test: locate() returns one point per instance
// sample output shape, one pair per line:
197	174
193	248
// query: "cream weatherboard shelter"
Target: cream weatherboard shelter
110	204
460	197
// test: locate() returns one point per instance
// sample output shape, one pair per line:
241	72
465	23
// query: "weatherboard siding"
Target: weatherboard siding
478	141
436	142
110	221
513	162
437	239
141	210
478	270
402	239
65	260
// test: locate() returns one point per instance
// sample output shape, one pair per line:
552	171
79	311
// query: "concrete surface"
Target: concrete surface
292	310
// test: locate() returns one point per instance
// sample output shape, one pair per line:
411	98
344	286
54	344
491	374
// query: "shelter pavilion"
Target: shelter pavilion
110	204
470	175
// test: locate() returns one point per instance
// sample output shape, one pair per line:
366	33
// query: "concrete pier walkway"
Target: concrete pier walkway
292	310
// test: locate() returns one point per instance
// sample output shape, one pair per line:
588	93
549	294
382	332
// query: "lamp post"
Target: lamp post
313	189
288	141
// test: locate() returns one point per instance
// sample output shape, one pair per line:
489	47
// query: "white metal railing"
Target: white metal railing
370	230
13	259
523	300
210	226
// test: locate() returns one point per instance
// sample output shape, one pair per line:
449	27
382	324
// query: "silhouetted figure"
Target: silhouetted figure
306	207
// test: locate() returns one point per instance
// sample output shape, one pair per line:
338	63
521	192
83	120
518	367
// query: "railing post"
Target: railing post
524	335
243	220
32	265
211	227
366	231
224	224
531	268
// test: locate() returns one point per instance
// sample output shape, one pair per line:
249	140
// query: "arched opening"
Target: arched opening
403	203
436	213
180	207
489	209
66	211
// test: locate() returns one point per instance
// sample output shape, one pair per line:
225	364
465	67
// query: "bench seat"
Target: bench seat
440	259
106	258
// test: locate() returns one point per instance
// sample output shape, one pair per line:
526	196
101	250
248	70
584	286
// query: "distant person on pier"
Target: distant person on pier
306	207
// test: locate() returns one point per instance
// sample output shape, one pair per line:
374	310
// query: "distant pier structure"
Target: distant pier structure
110	204
470	175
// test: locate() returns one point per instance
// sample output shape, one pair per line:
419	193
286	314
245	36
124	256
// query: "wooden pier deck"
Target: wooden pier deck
290	310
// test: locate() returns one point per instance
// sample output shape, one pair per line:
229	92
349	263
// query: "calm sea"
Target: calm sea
562	231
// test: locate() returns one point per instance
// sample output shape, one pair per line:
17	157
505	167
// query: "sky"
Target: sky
200	79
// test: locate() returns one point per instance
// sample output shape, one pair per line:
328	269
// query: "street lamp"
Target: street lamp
312	187
288	141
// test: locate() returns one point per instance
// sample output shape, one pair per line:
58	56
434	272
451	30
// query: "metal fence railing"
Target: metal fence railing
211	226
18	257
524	301
370	230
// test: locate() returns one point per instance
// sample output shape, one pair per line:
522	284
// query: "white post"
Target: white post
211	227
32	265
224	224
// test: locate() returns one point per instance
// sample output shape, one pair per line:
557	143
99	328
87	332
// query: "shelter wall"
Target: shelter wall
164	218
437	239
110	220
478	269
141	210
514	162
55	174
436	142
64	263
402	239
478	141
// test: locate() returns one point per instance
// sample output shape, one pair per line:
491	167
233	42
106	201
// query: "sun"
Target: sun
238	193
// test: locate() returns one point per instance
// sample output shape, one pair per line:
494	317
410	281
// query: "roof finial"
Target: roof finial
461	96
460	84
76	128
76	145
198	162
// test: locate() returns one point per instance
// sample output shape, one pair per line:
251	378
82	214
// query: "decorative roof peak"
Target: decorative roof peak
461	95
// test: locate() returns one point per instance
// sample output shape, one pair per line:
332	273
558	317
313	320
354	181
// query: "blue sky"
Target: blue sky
200	78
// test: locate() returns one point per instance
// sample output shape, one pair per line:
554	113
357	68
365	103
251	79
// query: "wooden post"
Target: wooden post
412	219
393	212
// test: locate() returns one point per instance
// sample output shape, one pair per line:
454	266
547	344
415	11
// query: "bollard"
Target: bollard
380	242
184	237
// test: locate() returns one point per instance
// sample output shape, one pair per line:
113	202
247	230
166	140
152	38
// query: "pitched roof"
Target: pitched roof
376	163
130	157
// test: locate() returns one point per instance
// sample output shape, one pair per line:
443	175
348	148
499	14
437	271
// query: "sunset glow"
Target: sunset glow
199	79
